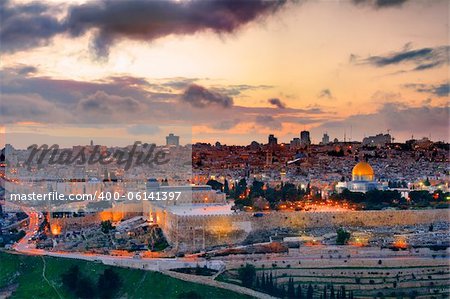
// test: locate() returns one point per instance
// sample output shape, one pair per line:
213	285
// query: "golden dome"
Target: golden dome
362	172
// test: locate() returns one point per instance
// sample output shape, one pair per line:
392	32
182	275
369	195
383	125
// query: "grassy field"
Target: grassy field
25	275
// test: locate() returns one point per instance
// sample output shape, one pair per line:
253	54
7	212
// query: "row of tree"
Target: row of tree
107	286
259	195
268	284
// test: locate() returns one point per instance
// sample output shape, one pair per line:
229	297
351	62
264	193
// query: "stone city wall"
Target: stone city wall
199	232
117	213
189	233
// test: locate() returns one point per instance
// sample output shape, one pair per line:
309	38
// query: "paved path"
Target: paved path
206	280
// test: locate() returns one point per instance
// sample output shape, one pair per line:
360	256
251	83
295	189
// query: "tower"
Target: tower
272	140
325	138
172	140
305	139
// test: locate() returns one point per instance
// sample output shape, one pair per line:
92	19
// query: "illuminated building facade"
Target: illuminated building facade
363	179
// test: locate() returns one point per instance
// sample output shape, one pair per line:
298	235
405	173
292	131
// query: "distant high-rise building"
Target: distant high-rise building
325	139
172	140
295	142
305	138
272	140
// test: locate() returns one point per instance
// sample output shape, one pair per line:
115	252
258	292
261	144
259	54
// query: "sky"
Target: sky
222	70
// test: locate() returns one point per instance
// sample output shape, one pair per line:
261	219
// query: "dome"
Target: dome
362	172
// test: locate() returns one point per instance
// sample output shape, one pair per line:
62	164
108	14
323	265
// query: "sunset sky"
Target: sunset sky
233	71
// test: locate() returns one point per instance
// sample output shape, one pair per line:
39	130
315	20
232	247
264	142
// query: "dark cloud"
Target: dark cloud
325	93
200	97
268	122
31	25
426	66
440	90
26	70
126	99
30	107
104	103
27	26
277	103
412	55
149	20
129	81
226	124
238	89
423	59
179	83
380	3
69	92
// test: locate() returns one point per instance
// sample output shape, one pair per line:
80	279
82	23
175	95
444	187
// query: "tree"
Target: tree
75	282
85	288
271	195
215	185
299	292
106	226
421	196
257	189
71	277
342	236
310	292
271	285
226	188
247	275
257	283
343	292
332	294
108	283
240	188
289	192
291	288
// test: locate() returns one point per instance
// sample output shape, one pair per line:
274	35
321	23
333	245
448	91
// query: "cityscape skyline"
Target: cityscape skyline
194	149
175	140
291	69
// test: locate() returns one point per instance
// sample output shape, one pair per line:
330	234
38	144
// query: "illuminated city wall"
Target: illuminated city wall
117	213
199	232
188	233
